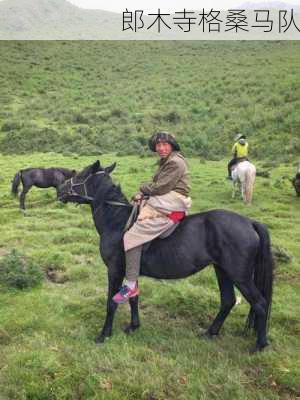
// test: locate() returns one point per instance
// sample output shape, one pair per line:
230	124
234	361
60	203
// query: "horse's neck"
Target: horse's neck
66	172
110	218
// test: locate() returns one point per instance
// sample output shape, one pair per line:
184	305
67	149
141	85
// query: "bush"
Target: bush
10	126
172	117
281	255
79	118
17	271
118	113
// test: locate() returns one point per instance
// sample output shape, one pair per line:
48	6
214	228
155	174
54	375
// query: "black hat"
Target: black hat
240	136
163	137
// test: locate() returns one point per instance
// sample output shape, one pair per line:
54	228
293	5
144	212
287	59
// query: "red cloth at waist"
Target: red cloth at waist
176	216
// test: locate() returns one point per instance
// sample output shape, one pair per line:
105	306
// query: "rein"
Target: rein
112	203
116	203
133	215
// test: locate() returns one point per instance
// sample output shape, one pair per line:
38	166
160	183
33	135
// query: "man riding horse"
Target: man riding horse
163	202
239	152
238	247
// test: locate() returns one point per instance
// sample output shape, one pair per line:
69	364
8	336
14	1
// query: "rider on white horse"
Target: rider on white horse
239	152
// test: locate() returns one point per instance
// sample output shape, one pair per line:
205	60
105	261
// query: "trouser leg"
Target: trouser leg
133	263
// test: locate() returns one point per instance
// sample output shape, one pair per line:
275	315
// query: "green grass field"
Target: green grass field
90	96
47	333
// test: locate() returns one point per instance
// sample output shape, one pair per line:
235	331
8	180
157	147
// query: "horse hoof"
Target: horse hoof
258	348
100	339
130	328
208	335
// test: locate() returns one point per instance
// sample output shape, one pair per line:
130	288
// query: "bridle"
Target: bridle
71	192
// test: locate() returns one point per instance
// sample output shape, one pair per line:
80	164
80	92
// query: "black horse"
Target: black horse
238	247
40	177
296	182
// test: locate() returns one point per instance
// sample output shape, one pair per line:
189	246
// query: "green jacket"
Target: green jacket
172	175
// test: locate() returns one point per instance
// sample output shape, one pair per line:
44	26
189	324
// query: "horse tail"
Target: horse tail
249	185
263	273
16	182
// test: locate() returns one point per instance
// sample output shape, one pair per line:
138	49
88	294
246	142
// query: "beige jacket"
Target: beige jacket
172	175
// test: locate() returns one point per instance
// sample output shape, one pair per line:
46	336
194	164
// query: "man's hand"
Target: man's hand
138	198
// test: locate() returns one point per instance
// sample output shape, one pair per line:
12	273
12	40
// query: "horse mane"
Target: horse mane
108	190
114	193
63	170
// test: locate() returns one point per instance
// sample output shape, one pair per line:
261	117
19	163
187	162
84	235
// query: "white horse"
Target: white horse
243	176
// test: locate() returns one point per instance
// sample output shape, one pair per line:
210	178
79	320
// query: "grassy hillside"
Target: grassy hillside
92	97
47	333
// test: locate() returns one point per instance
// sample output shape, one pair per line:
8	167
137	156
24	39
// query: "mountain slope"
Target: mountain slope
52	19
263	5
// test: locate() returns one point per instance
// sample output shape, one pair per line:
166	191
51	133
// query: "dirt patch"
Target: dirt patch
57	276
288	276
3	252
256	381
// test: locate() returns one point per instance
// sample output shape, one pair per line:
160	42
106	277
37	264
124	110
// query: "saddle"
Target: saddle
241	159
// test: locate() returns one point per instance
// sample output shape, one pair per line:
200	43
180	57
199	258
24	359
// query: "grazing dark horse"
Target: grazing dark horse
296	181
40	177
238	247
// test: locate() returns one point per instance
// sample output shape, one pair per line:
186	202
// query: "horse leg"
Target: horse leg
22	197
227	302
114	284
233	189
258	306
243	190
135	321
236	188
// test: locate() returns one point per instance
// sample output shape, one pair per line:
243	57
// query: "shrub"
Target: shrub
118	113
79	118
17	271
172	117
281	255
10	126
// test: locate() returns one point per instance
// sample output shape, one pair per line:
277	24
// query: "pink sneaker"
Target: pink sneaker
125	293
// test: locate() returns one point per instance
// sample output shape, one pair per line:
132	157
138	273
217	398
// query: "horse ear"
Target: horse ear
95	167
110	169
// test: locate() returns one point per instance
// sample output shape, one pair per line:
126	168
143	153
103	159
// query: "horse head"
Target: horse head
81	188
